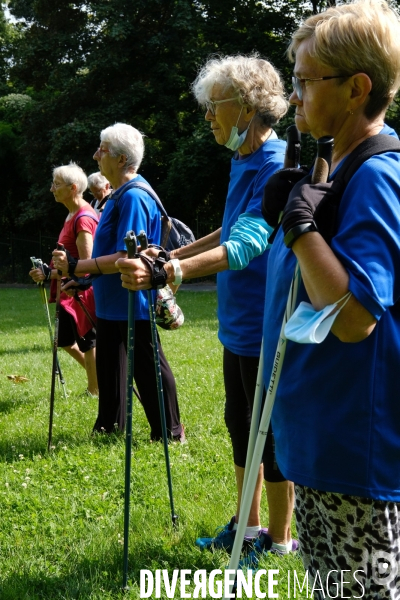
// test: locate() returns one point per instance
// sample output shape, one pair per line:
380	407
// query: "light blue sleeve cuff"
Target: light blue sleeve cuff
248	239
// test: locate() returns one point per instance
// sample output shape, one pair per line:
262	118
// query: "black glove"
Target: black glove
277	190
311	208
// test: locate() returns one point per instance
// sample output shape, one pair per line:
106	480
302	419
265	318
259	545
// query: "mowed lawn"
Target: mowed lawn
62	514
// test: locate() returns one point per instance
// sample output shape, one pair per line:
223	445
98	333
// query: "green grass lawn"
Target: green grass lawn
61	515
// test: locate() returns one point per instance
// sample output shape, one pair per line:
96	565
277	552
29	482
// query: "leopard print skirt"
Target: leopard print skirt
350	546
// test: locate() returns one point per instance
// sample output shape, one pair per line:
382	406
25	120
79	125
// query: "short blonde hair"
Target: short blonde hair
70	174
255	81
362	37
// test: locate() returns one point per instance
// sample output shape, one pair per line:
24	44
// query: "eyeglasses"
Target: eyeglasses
211	104
57	185
298	83
102	150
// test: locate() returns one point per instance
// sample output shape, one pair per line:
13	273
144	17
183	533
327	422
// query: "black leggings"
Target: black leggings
240	377
111	374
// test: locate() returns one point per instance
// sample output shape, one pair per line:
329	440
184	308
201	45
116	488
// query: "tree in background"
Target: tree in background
87	64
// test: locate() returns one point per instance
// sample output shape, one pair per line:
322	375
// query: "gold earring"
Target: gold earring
351	112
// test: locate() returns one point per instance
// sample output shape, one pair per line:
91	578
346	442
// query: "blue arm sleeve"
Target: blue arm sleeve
248	239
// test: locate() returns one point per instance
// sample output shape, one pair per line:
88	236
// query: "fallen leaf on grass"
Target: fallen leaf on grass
17	378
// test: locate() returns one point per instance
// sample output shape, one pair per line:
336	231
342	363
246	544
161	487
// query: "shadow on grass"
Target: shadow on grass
37	444
101	577
37	348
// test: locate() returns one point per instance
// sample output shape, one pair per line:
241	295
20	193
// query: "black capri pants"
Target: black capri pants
68	334
240	377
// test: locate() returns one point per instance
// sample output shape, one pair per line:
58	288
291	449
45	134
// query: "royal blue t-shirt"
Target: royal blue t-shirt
241	293
336	417
136	211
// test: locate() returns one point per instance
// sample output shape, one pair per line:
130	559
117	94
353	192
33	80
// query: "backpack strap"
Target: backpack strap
372	146
84	214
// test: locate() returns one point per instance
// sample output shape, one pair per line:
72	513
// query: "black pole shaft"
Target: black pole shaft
55	345
160	392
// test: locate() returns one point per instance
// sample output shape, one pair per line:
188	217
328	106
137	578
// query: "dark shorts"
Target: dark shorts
68	334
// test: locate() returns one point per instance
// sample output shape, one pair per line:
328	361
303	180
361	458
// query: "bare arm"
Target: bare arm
204	244
84	243
326	281
103	264
135	274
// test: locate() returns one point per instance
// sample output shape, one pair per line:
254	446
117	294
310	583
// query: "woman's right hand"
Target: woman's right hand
37	275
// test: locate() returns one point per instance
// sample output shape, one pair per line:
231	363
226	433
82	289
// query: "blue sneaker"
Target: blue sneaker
223	540
261	546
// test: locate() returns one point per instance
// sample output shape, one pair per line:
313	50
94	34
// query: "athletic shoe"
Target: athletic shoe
89	394
262	546
168	313
295	546
181	437
223	540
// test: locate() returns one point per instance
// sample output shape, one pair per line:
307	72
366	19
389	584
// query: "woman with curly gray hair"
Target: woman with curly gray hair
244	97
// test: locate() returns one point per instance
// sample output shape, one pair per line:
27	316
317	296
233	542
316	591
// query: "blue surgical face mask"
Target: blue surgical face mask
236	140
308	326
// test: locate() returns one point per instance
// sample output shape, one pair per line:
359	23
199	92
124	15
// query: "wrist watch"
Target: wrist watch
297	231
177	271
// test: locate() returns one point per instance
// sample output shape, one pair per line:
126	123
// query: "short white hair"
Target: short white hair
70	174
127	140
98	180
254	80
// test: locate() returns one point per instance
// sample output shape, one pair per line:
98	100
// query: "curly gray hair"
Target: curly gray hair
255	81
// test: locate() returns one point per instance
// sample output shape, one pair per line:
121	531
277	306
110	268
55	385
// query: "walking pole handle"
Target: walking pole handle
37	263
293	147
131	244
142	239
62	248
323	160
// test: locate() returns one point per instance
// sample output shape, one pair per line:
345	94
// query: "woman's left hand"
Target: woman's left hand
69	287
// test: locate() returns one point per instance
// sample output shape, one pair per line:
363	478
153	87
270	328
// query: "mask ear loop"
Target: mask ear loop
337	309
240	114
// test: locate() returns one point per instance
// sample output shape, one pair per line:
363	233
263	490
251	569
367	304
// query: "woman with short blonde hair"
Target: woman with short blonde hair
336	417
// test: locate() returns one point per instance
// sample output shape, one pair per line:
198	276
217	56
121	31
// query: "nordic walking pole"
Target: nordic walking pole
38	264
83	307
131	246
320	174
292	159
142	238
55	345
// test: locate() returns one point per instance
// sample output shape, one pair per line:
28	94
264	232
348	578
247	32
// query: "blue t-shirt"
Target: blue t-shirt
336	417
241	293
136	211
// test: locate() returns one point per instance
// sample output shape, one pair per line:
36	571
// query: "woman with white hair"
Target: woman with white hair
337	413
75	334
100	189
119	156
244	98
